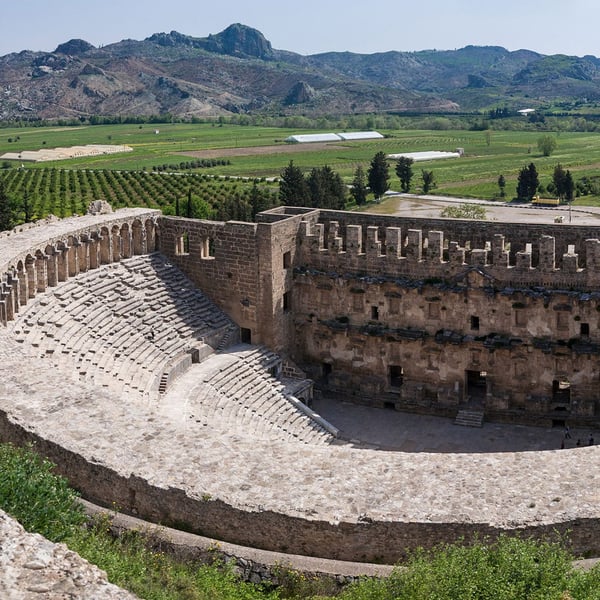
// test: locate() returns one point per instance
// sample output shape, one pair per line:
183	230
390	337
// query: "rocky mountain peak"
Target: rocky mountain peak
74	47
242	41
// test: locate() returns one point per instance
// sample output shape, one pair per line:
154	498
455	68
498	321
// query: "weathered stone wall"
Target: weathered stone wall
435	334
476	234
385	299
421	254
336	501
368	540
37	258
246	269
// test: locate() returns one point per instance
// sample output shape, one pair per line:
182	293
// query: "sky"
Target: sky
314	26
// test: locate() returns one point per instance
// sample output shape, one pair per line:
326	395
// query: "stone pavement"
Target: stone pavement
384	429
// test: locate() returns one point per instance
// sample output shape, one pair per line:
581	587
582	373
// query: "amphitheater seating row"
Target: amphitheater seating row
236	392
118	326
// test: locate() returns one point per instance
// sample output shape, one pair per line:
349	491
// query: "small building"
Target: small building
427	155
305	138
361	135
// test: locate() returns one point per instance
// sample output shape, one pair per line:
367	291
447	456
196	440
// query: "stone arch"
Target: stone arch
11	293
73	248
62	264
41	271
151	236
105	246
23	283
137	237
83	253
31	274
125	234
51	265
116	243
95	244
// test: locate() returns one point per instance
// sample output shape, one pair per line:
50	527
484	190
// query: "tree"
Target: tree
404	172
547	144
569	188
188	212
261	199
293	189
326	188
428	180
7	213
502	185
359	187
527	183
564	186
379	175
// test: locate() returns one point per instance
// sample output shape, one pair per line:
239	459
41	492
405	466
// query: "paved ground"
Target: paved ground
430	207
391	430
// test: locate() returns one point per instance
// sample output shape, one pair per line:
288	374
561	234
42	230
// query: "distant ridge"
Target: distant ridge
237	71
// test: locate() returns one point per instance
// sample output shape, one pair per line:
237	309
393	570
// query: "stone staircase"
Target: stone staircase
469	418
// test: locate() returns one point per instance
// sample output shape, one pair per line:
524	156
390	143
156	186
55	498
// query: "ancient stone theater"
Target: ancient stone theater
168	366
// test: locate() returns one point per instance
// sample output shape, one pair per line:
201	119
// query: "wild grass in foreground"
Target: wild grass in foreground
508	569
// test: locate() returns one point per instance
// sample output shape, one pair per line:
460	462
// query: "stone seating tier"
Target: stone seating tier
118	325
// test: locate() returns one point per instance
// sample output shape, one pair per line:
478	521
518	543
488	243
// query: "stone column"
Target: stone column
499	253
414	249
547	254
435	247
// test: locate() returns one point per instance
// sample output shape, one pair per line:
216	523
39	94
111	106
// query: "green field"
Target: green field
487	155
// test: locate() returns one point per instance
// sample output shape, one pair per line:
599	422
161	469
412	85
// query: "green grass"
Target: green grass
507	569
474	175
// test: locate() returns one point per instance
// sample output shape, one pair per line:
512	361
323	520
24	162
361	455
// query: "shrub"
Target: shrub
465	211
508	569
33	494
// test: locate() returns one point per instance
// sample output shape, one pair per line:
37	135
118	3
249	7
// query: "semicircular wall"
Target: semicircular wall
320	500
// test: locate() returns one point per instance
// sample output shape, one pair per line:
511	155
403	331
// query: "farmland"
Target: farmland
165	163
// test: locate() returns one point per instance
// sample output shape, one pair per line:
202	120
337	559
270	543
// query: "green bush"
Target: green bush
509	569
34	495
465	211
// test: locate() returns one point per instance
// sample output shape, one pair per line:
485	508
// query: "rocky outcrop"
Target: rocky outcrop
300	93
240	40
74	47
32	567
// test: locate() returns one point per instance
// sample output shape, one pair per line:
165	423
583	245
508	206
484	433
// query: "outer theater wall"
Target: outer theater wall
474	234
414	319
422	315
245	268
369	540
418	348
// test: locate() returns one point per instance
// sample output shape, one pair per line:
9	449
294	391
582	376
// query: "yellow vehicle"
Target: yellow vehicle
545	201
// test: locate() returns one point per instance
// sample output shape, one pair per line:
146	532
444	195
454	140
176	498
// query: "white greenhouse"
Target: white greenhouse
305	138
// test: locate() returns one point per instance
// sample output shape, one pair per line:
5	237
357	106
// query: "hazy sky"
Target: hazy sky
312	26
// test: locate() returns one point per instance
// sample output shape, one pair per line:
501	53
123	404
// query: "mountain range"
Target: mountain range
238	71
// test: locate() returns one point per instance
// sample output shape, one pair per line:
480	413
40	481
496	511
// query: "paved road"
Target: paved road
430	207
391	430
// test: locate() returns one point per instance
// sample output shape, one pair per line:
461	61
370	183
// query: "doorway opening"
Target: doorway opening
476	385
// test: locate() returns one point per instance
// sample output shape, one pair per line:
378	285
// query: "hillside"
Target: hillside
238	71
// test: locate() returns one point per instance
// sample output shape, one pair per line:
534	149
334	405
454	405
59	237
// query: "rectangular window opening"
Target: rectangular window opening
475	323
374	313
287	260
183	244
396	373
